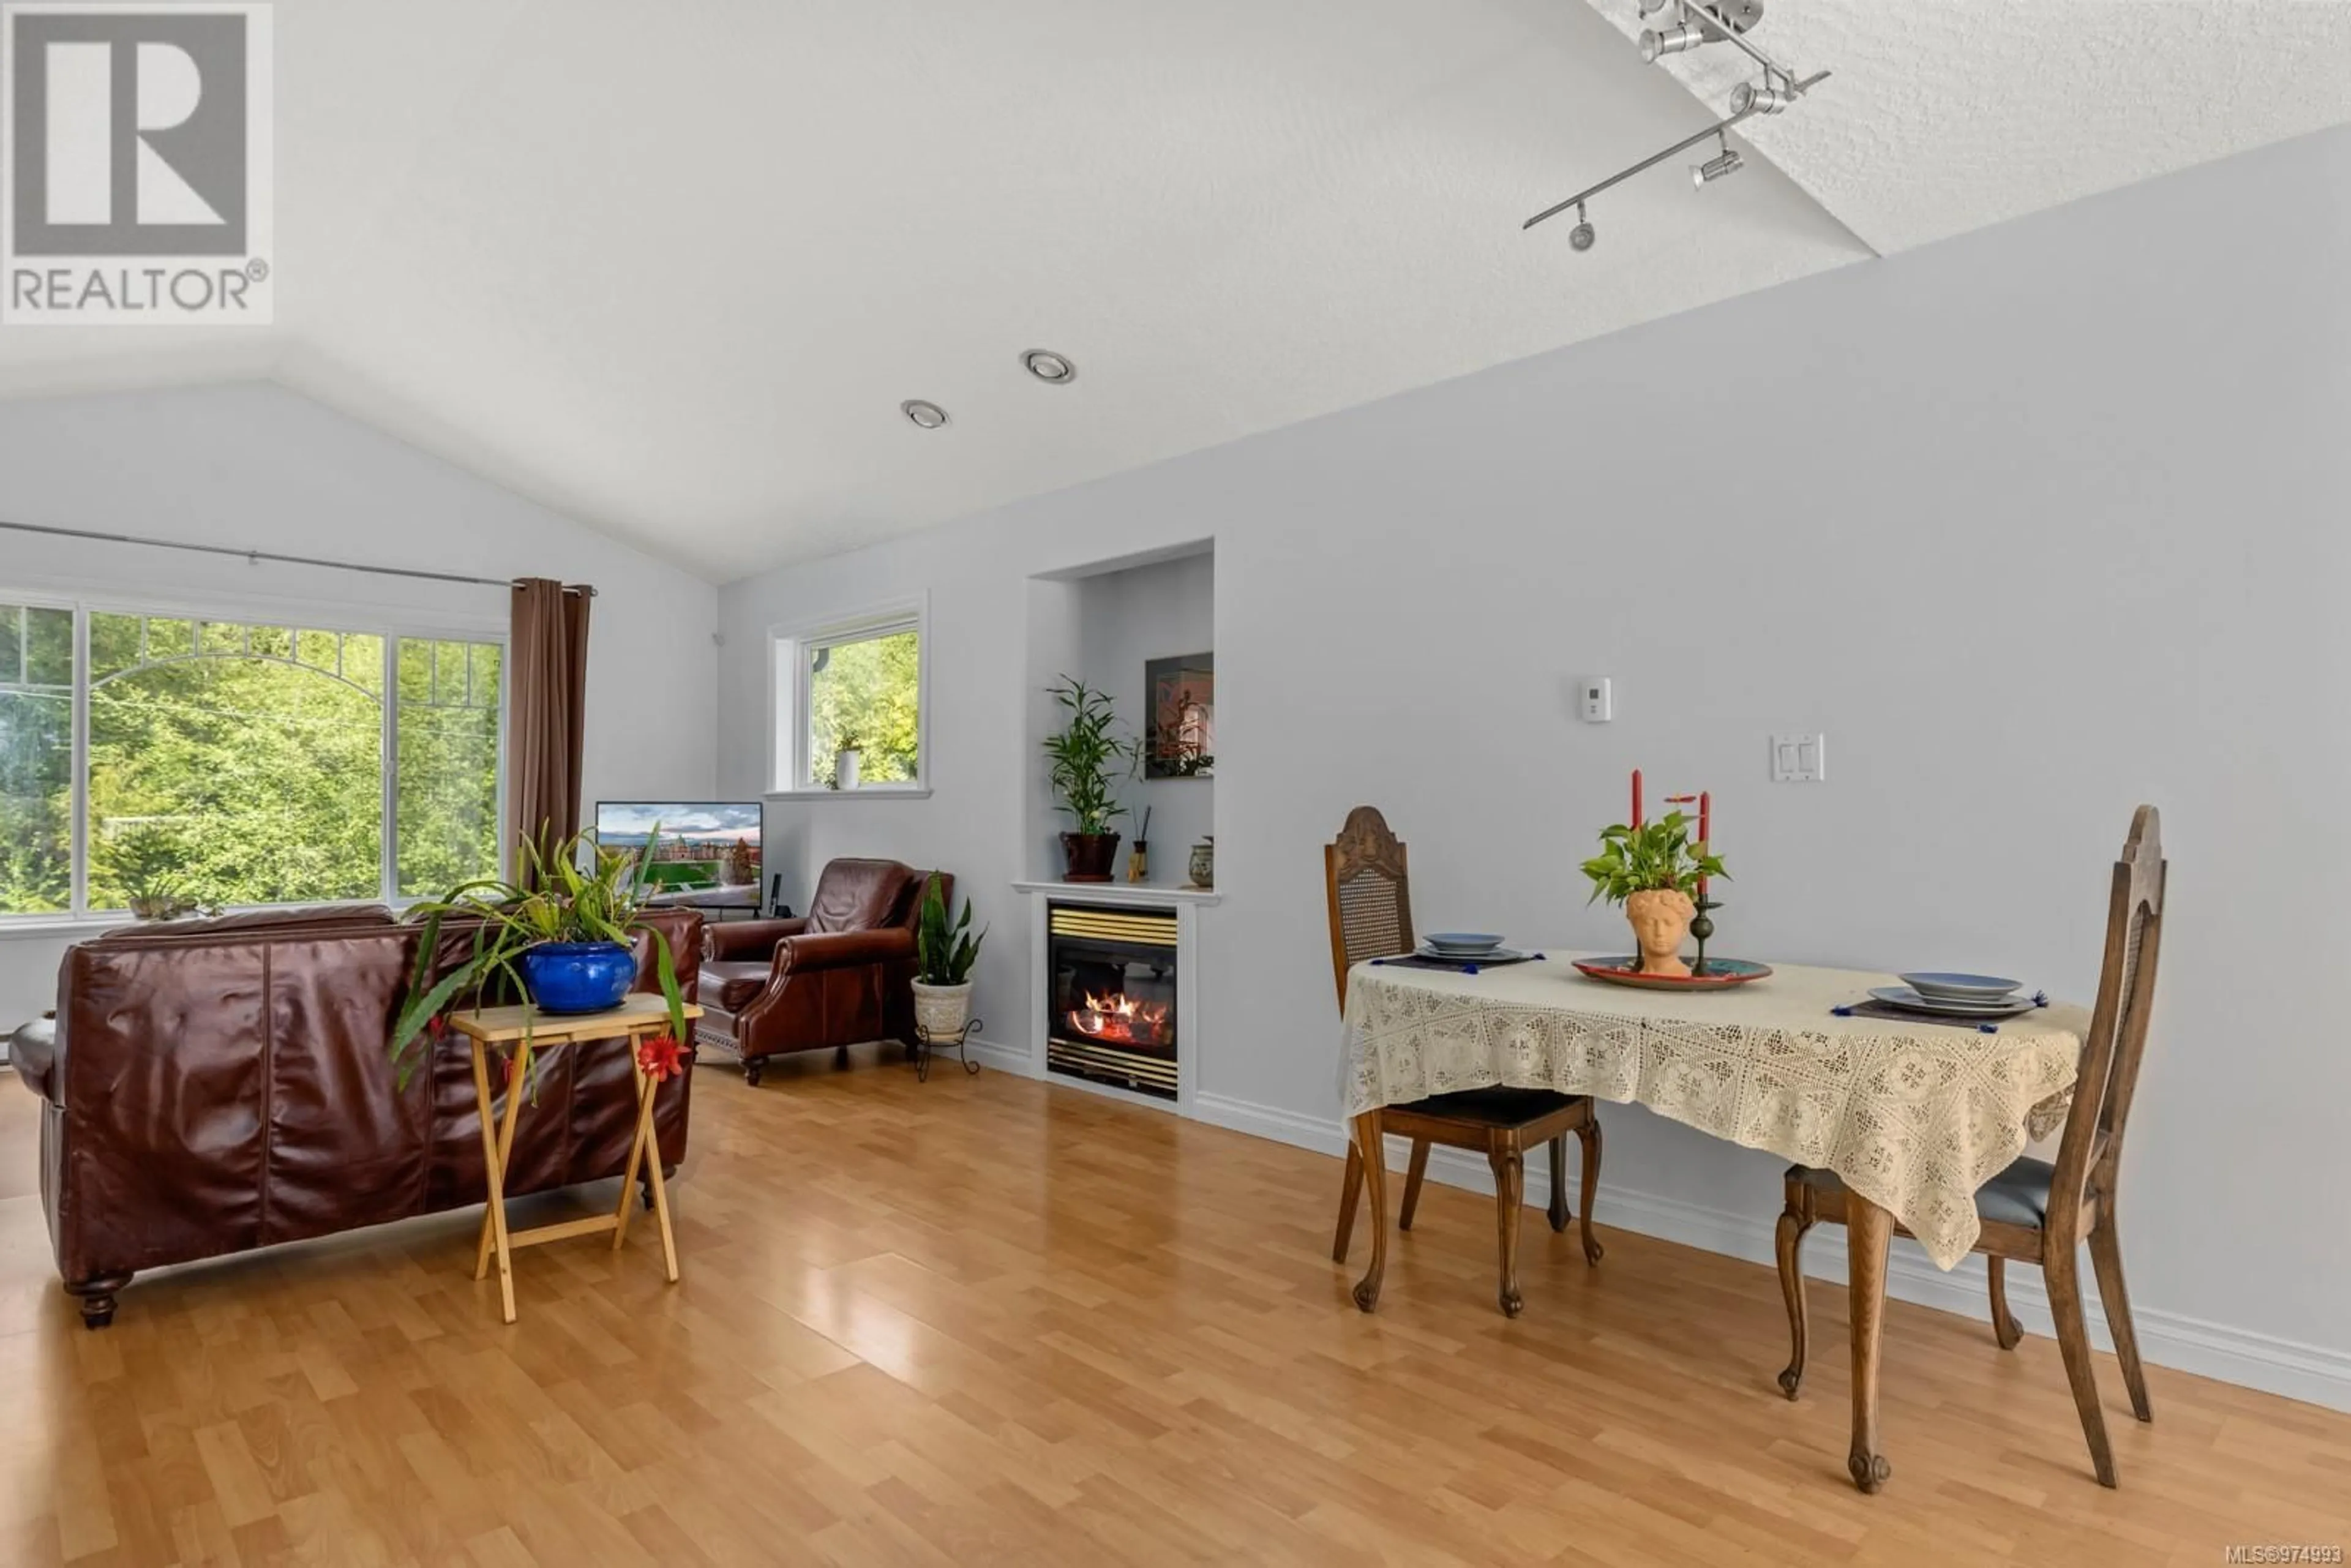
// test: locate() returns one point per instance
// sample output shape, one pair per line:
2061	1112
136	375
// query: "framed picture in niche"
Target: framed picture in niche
1180	740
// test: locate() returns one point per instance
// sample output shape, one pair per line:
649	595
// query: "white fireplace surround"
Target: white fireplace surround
1029	1043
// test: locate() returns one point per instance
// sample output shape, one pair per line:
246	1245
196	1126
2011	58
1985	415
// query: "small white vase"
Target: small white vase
845	768
941	1011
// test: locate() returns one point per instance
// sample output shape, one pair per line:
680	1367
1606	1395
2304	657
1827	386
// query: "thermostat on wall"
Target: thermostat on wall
1599	704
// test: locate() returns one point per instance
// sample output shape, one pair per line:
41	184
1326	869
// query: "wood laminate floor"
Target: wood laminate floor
982	1321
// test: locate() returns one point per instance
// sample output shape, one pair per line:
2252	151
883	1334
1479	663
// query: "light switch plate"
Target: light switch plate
1798	758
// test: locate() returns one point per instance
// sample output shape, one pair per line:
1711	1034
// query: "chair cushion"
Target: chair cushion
1496	1107
858	895
735	983
2017	1196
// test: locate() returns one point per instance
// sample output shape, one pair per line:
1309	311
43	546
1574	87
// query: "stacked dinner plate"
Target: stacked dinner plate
1464	946
1941	994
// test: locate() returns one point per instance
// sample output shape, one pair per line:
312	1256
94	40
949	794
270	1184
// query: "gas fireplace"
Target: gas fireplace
1111	997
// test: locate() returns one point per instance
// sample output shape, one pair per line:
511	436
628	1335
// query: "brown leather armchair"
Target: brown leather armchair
842	975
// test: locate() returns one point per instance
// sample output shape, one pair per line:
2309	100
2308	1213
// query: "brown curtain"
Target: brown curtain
546	669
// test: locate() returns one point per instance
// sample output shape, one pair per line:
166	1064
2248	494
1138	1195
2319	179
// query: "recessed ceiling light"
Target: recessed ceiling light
1049	366
929	415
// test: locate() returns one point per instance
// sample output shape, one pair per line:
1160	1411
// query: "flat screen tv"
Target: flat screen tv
697	839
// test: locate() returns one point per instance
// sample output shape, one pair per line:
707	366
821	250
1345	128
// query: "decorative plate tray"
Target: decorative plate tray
1721	973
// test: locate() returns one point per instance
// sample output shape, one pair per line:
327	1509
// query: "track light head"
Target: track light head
1657	43
1751	97
1582	236
1726	162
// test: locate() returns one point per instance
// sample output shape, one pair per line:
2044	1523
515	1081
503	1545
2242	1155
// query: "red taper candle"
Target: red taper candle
1636	797
1705	832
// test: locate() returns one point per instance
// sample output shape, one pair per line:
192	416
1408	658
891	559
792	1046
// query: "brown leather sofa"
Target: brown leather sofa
212	1086
840	975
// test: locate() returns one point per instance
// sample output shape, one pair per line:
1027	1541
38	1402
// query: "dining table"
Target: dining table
1911	1113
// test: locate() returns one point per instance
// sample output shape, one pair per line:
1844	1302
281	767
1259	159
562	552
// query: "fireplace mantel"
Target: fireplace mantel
1123	892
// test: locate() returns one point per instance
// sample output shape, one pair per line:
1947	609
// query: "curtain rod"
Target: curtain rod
258	556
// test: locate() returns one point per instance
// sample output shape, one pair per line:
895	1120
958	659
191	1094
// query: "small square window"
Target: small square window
849	703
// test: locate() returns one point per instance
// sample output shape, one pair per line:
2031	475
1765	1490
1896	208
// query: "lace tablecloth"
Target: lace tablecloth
1913	1115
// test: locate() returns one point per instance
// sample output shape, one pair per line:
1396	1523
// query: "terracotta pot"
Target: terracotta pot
1661	919
1091	855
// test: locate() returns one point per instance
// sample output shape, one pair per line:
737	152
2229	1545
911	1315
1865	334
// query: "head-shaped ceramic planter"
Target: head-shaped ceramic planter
1661	920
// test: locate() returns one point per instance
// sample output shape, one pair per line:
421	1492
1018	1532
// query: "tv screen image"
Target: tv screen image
703	843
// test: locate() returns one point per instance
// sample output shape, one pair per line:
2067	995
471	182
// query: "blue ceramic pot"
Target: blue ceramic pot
579	976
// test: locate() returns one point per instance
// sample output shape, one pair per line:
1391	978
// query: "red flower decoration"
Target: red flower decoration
437	1026
662	1058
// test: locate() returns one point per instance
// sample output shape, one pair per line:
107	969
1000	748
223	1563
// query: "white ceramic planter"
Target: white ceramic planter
845	767
941	1011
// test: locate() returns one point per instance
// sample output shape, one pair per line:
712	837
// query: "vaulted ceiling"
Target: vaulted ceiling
672	268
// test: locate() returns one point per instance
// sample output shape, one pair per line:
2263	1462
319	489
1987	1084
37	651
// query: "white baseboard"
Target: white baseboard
1009	1058
2240	1356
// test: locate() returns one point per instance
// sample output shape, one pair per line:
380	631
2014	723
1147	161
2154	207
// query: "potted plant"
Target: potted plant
1086	755
1654	870
847	760
561	937
145	860
944	955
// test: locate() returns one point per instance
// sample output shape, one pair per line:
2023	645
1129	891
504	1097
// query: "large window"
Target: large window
853	687
232	763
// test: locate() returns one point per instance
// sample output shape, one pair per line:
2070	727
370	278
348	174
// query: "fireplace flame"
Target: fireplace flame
1121	1019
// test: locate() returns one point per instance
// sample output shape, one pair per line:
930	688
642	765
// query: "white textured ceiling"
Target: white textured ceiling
1950	115
671	268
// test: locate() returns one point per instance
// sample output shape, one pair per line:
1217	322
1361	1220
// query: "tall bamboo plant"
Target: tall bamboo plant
556	901
1088	754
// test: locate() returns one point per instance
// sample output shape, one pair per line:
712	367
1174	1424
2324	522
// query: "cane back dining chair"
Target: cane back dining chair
2033	1211
1370	917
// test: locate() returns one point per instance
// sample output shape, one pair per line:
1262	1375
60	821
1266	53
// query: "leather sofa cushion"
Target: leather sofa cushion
323	919
2016	1196
734	983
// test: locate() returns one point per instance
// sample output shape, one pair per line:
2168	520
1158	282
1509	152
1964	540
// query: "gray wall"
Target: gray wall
2034	524
254	466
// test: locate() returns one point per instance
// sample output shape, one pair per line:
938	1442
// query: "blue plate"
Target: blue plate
1961	988
1463	942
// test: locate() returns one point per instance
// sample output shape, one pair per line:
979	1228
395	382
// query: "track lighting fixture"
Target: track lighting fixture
1693	23
1657	43
1724	162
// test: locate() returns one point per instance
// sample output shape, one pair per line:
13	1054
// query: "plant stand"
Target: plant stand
925	1042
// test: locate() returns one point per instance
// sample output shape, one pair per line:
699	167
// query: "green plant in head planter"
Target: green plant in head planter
1088	755
561	927
1654	870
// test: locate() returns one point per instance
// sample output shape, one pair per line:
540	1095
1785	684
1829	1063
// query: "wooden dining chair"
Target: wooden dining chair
1370	917
2034	1212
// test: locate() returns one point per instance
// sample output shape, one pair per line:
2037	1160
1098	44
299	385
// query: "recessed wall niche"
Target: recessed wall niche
1142	629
